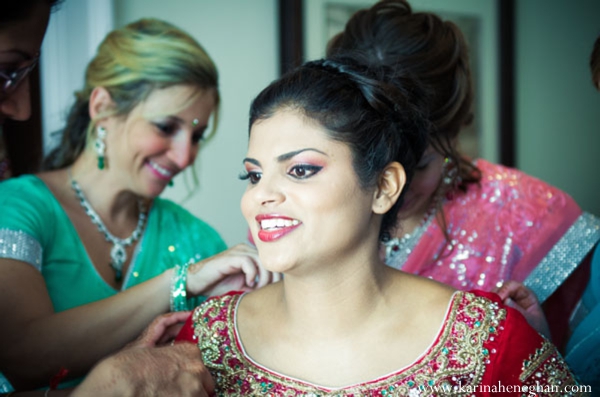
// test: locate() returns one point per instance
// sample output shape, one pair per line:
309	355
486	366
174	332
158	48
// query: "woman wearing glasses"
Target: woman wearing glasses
22	29
89	255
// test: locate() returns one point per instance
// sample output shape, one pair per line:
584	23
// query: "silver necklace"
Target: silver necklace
398	249
118	255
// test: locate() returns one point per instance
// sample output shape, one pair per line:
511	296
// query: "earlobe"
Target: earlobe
390	186
100	102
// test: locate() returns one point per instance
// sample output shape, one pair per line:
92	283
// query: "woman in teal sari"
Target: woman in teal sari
89	254
583	349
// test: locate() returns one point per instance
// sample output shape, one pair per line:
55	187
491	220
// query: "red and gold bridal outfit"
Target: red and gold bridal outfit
481	343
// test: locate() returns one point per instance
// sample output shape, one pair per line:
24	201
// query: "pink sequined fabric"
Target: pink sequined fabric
500	231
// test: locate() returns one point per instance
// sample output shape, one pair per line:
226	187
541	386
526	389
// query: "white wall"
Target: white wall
74	32
558	109
241	37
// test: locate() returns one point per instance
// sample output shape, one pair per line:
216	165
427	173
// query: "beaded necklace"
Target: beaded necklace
118	254
397	249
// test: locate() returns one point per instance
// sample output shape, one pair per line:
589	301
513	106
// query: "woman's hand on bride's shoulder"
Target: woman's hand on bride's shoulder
236	269
518	296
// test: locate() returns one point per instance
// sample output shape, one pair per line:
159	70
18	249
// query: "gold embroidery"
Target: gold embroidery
458	357
536	360
546	373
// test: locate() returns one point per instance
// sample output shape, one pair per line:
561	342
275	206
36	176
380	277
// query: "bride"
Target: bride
332	148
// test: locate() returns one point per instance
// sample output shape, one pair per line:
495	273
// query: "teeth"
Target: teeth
268	224
161	170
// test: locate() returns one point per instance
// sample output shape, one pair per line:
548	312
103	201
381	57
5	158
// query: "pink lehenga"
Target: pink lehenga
482	348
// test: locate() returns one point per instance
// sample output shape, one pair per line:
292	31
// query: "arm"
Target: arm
78	338
146	367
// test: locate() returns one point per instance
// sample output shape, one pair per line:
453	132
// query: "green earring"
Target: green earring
100	146
171	183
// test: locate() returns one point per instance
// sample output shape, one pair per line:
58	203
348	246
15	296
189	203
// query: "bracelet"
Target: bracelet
178	299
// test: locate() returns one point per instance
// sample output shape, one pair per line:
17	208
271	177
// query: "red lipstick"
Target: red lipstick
274	233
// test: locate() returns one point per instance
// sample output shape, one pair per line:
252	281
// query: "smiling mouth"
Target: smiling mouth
275	224
160	170
272	229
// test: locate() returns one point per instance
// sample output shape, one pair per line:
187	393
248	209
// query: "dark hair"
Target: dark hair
595	63
381	119
16	10
390	33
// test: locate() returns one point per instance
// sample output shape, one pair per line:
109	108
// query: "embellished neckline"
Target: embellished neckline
435	347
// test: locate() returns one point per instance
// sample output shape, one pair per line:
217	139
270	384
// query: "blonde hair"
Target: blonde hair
130	64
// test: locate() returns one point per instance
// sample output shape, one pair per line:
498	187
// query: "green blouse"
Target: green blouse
35	229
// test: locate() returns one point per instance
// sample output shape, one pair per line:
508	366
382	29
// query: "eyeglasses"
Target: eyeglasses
9	81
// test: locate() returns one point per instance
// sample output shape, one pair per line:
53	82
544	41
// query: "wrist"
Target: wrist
196	285
179	288
104	379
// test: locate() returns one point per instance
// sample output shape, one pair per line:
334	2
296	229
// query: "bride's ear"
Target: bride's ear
389	186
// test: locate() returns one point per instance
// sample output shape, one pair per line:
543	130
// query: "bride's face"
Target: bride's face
303	202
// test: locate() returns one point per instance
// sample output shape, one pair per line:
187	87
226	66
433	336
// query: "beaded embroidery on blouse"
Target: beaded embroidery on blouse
543	368
458	356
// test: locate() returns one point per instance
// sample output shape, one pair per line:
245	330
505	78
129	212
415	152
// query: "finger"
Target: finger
507	289
277	277
170	334
207	381
265	277
525	298
160	327
522	295
244	249
188	384
194	364
250	269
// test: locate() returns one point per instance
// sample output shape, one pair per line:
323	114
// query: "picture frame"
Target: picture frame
307	25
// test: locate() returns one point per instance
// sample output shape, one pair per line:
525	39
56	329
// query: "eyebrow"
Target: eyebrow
182	121
285	156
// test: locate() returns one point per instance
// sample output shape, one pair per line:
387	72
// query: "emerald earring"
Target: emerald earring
100	146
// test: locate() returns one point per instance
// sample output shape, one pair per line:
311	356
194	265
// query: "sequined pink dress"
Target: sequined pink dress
512	227
481	349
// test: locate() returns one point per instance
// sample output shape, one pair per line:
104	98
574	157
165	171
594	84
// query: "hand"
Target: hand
237	269
518	296
150	371
162	330
144	368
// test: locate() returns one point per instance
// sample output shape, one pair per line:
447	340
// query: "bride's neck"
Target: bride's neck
330	305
